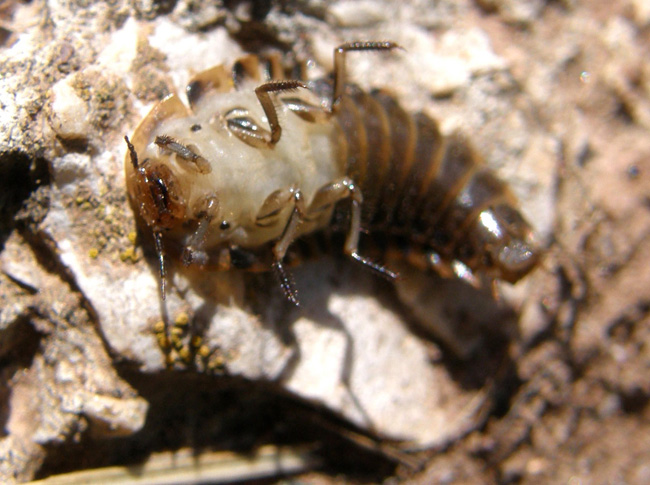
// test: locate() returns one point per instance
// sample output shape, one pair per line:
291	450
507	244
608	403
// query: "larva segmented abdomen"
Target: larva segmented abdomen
430	192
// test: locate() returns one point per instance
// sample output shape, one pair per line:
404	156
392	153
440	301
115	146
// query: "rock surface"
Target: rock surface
556	97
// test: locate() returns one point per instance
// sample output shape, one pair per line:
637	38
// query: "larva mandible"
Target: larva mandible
258	161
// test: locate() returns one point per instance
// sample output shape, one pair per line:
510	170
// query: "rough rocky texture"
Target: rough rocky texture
547	385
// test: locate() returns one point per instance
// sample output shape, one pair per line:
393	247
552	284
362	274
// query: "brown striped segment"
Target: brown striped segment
350	119
214	79
403	139
378	161
272	68
247	68
428	155
456	167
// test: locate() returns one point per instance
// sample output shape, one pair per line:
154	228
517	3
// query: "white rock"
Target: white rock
358	13
69	113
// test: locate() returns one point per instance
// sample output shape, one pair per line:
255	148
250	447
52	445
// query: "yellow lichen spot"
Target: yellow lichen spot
204	351
100	212
197	341
185	354
176	331
159	326
132	237
217	363
79	200
163	341
129	255
182	319
93	253
177	343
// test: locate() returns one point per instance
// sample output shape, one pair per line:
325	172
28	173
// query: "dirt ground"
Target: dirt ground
554	94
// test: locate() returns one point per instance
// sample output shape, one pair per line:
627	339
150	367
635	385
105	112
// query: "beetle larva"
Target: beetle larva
258	161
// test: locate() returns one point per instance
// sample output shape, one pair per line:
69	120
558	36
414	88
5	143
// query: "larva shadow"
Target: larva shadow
465	320
463	326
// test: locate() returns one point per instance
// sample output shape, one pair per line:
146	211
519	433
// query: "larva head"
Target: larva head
154	187
155	190
508	242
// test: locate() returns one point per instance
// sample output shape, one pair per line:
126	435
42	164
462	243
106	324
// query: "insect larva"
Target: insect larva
257	162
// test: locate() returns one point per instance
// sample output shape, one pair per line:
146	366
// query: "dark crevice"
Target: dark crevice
18	346
19	343
24	204
45	252
625	113
79	144
257	9
20	176
635	402
222	413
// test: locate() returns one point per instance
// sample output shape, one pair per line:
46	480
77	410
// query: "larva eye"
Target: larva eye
159	196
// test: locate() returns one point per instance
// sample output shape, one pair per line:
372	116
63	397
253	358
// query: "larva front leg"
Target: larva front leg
247	129
339	64
262	93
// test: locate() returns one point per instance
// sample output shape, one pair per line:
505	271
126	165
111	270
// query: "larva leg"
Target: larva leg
281	246
331	194
262	93
274	205
194	252
327	196
339	64
452	269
